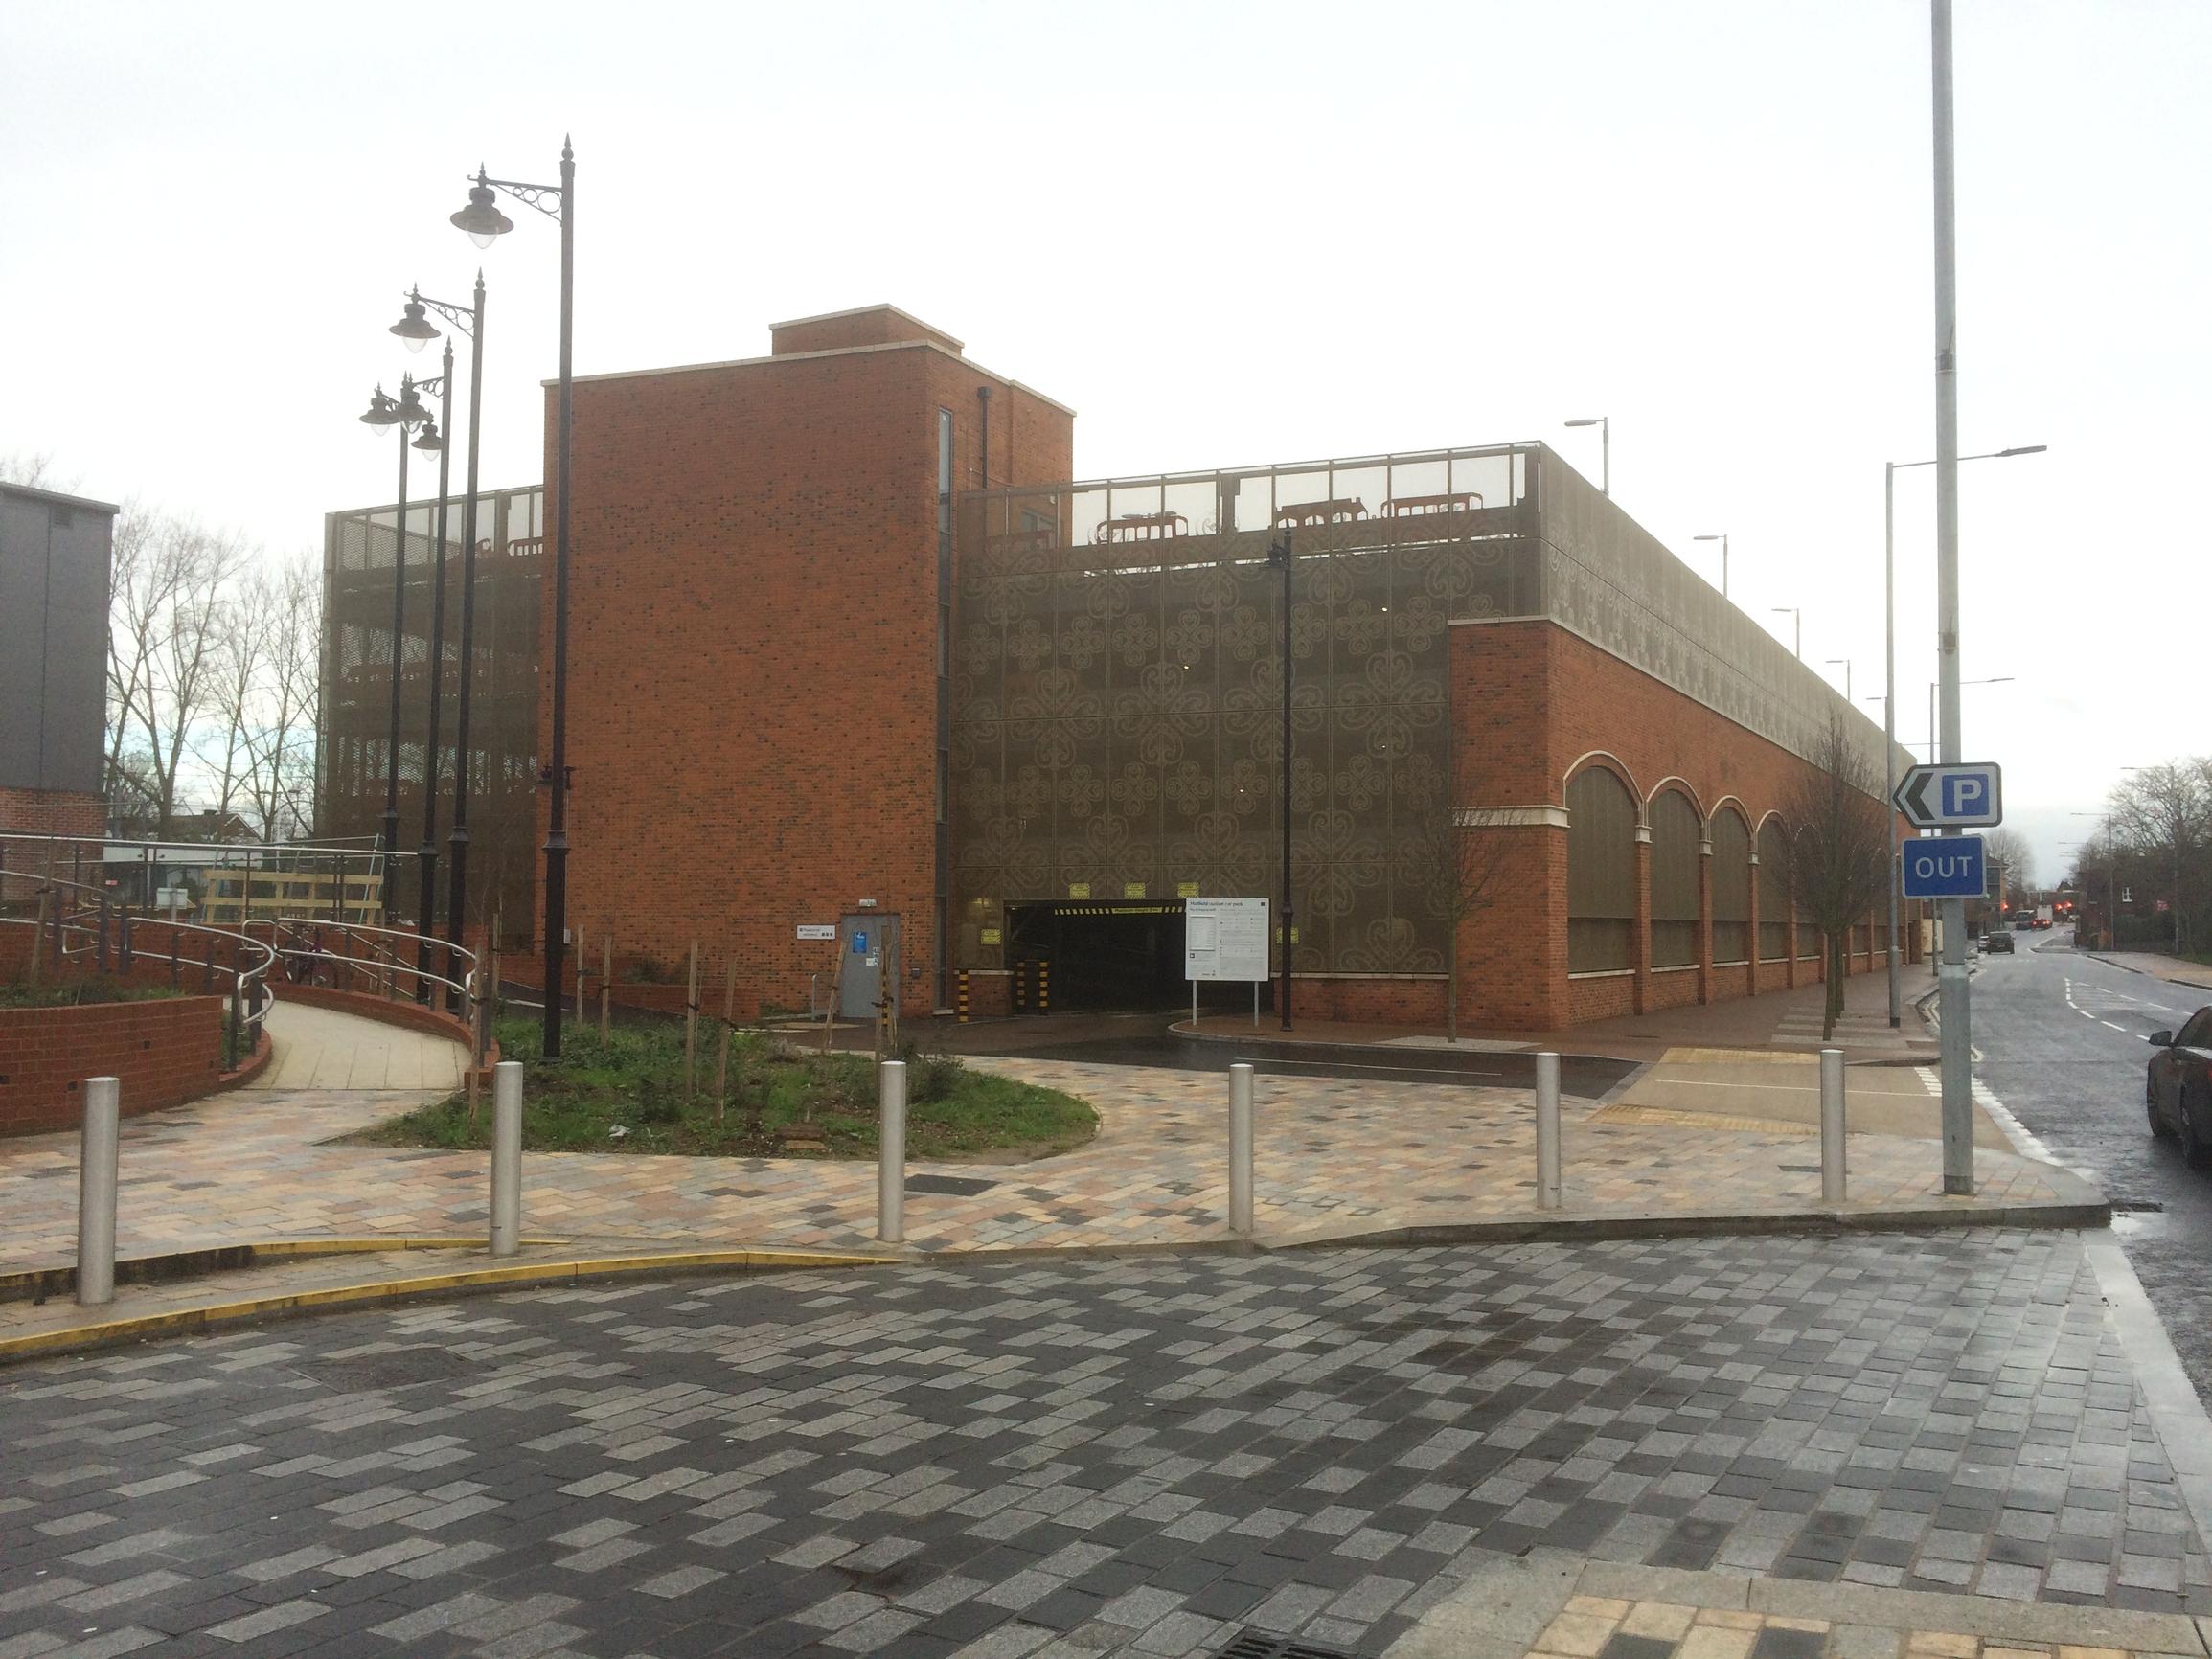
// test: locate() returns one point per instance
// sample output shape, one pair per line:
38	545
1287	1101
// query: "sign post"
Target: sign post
1224	939
1950	797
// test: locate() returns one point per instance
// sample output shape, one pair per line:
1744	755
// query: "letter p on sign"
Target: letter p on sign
1964	796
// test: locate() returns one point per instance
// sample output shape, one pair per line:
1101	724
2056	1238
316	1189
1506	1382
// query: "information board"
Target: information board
1225	939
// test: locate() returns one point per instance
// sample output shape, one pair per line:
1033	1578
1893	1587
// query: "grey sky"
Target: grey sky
1224	234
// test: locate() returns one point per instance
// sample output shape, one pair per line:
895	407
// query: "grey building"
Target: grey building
54	557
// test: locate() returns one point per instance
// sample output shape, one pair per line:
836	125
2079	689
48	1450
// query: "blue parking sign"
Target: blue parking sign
1945	866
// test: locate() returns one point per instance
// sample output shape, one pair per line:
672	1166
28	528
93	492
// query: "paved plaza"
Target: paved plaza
1072	1456
1334	1158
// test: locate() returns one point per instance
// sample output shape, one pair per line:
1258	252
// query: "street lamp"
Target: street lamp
1605	426
426	856
1998	680
1797	648
484	222
1279	552
417	331
1846	662
1723	538
384	415
1889	473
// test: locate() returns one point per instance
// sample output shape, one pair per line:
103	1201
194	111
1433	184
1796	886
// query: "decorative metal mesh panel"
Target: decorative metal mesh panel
1601	872
1117	695
1731	842
357	580
1773	892
1674	880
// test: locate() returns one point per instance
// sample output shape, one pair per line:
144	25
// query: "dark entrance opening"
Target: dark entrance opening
1090	956
1095	955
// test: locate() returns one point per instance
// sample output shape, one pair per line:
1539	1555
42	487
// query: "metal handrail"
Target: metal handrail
386	961
247	1012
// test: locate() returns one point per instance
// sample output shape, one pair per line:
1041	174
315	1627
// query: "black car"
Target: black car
1998	942
2178	1088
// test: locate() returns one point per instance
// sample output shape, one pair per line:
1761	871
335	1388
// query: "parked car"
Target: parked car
2022	924
1997	941
2178	1088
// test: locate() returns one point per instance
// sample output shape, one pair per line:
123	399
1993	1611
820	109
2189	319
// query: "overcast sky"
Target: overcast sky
1225	235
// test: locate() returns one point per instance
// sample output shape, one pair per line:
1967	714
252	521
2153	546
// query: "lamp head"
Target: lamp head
411	410
1708	538
482	218
2023	450
414	326
427	439
1595	420
382	413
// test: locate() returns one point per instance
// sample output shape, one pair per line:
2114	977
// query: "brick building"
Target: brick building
848	647
54	554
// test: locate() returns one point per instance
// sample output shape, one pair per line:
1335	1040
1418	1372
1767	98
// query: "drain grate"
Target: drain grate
958	1186
1252	1644
2137	1207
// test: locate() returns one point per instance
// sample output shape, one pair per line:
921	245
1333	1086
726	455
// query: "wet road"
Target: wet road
2062	1040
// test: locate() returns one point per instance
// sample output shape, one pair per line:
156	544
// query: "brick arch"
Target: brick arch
1682	785
1735	803
1612	763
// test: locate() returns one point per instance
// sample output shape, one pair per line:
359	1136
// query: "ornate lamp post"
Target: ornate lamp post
484	222
383	415
417	331
1279	554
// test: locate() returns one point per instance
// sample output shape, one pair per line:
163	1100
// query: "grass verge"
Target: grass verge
626	1094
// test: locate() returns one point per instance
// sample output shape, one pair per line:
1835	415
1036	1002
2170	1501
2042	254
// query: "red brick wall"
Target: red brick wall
753	649
1529	701
45	812
164	1052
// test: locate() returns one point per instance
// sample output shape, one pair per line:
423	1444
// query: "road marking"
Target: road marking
2118	1028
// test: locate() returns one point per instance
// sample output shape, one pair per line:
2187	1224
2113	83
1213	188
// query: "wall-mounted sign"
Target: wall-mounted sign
1225	939
1079	890
1133	890
990	935
817	930
1186	890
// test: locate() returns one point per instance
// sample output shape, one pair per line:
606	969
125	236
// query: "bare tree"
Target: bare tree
1840	861
163	616
2163	814
34	469
284	607
2010	849
1458	870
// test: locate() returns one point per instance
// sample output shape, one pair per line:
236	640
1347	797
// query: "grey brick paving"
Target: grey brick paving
1066	1457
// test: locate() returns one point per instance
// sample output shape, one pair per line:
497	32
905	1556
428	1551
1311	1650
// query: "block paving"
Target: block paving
1334	1156
1066	1456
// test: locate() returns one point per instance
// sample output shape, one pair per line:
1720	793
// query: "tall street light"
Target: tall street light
417	331
484	222
1797	646
384	415
1720	536
1279	554
1605	426
1846	662
426	856
1889	475
1998	680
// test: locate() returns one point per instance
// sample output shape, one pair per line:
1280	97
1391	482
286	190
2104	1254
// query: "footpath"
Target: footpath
252	1203
2171	968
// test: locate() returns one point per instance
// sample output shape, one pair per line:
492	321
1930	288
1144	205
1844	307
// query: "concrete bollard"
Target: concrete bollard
96	1179
1241	1149
1831	1162
1547	1132
506	1157
891	1154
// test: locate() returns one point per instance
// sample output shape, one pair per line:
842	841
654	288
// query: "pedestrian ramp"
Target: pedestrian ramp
1772	1092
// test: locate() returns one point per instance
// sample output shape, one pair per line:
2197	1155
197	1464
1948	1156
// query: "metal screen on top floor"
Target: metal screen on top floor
357	574
1116	691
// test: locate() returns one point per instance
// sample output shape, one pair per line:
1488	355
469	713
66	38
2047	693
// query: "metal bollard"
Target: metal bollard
1832	1160
891	1155
1241	1149
96	1174
506	1157
1547	1132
